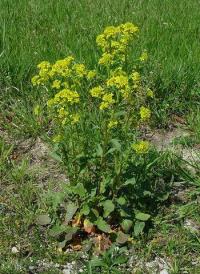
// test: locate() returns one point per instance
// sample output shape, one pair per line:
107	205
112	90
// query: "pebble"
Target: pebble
14	250
164	271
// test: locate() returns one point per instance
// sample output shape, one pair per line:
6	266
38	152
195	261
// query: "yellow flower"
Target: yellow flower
35	80
144	56
101	42
56	84
104	105
44	65
62	113
112	124
97	92
111	31
145	113
50	102
129	28
57	138
106	59
120	81
36	110
107	101
75	118
80	70
150	93
65	84
135	76
62	67
91	74
66	95
141	147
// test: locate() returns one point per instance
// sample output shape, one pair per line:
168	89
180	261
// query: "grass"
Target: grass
22	199
36	30
31	31
51	30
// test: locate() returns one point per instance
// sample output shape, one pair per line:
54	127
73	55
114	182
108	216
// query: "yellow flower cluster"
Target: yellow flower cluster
145	113
57	74
135	76
114	42
91	74
97	92
150	93
62	104
120	82
141	147
144	56
107	98
107	101
118	89
112	124
65	77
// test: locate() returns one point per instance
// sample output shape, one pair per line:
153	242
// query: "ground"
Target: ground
31	171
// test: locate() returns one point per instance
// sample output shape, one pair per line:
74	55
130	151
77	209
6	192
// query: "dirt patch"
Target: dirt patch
41	164
165	140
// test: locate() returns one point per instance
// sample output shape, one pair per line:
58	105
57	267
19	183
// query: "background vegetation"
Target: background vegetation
36	30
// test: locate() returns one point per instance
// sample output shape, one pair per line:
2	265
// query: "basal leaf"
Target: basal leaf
130	181
126	225
138	227
102	225
108	207
116	144
57	230
71	210
43	219
122	237
70	231
79	190
85	210
88	226
142	216
99	150
121	200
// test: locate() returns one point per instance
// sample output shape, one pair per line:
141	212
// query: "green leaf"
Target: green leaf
43	219
142	216
123	213
71	210
120	260
111	150
138	227
70	231
62	244
131	181
163	197
57	230
108	207
99	151
102	225
55	156
116	144
121	200
147	193
79	190
95	212
122	237
95	262
85	210
126	225
119	113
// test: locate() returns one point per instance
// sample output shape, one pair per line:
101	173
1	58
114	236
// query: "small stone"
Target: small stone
164	271
66	271
14	250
